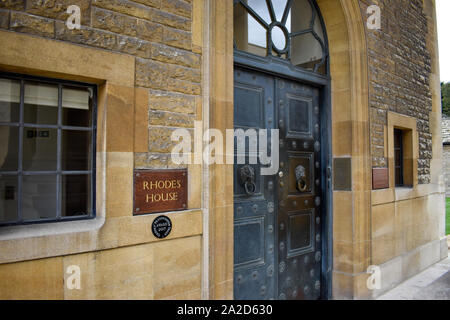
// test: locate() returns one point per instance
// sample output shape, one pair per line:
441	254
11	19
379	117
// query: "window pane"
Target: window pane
306	51
302	26
261	9
301	15
9	148
249	34
39	197
8	199
398	157
39	149
9	100
28	147
279	6
76	107
278	38
257	38
76	150
41	103
76	195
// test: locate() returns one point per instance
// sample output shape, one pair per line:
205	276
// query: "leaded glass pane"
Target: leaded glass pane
288	29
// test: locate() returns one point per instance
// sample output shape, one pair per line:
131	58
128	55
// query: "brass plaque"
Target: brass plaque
160	191
380	178
342	168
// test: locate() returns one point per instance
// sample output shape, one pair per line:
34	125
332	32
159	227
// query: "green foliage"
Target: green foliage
445	94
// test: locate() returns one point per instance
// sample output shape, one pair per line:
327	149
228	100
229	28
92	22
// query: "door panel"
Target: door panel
254	231
298	212
277	227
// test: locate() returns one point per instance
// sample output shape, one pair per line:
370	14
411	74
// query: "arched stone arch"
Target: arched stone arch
350	141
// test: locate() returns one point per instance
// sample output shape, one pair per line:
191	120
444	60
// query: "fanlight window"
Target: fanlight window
289	29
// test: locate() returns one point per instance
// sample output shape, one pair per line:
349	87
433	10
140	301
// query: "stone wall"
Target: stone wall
147	61
399	73
158	33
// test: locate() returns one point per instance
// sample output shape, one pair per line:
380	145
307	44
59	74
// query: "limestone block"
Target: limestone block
184	73
177	271
156	75
172	20
184	86
170	101
86	36
141	110
12	4
185	58
114	22
126	7
177	7
151	3
160	140
170	119
177	38
151	74
38	279
123	273
4	19
25	23
120	119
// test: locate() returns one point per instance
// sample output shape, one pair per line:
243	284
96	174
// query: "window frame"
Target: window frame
398	162
20	173
410	141
408	149
285	66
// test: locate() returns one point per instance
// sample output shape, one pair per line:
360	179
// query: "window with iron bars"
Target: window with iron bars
47	150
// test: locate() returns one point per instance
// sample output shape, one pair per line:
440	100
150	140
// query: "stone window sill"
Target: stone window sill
50	229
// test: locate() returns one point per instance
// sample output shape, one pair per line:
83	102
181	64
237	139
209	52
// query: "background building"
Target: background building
446	146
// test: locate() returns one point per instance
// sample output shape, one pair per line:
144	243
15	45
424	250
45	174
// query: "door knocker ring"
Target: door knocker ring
248	179
300	175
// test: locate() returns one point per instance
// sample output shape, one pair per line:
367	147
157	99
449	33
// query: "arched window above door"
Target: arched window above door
292	30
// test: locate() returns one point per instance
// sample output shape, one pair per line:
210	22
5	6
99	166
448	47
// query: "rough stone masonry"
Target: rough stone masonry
399	76
158	33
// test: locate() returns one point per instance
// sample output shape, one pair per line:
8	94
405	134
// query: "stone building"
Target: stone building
85	110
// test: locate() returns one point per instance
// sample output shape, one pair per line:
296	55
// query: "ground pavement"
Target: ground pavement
431	284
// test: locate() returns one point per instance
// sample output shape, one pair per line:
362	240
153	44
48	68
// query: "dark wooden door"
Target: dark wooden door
277	219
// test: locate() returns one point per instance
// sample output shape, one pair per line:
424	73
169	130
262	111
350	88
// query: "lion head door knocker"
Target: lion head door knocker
300	175
248	179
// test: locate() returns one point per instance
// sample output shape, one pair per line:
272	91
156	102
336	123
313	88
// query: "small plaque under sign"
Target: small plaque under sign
380	178
160	191
161	227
